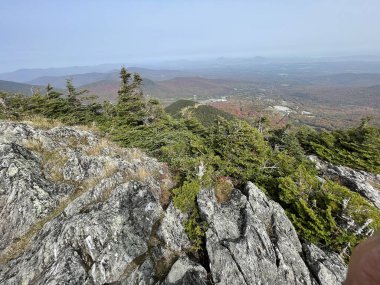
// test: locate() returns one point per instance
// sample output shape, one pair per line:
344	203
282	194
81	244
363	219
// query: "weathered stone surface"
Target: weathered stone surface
358	181
327	267
366	184
251	241
186	272
171	230
90	225
142	275
166	245
19	169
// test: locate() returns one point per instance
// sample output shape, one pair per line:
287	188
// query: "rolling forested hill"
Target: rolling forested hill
14	87
205	114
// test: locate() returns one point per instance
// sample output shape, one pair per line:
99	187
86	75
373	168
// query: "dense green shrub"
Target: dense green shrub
184	199
316	209
242	150
357	148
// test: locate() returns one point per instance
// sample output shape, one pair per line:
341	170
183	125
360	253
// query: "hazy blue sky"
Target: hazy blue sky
53	33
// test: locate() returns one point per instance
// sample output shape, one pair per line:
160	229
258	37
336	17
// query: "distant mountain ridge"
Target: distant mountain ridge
15	87
77	79
217	66
24	75
85	75
178	87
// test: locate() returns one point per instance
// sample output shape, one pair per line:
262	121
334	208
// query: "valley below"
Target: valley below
322	94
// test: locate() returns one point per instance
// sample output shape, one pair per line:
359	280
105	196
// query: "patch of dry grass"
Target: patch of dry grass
52	160
96	150
165	196
34	145
135	153
223	189
89	128
374	184
109	170
142	174
53	164
42	122
129	154
74	142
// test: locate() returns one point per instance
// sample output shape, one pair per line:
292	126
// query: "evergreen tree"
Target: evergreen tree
51	93
124	89
73	94
242	149
131	108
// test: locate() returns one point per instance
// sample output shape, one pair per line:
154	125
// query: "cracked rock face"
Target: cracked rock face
185	271
91	225
326	267
251	241
76	209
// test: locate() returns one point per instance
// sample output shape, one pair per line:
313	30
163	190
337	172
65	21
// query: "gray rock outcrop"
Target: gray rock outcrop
185	271
74	209
366	184
326	267
77	209
251	241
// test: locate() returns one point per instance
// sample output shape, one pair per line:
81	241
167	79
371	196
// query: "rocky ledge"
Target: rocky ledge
76	209
366	184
